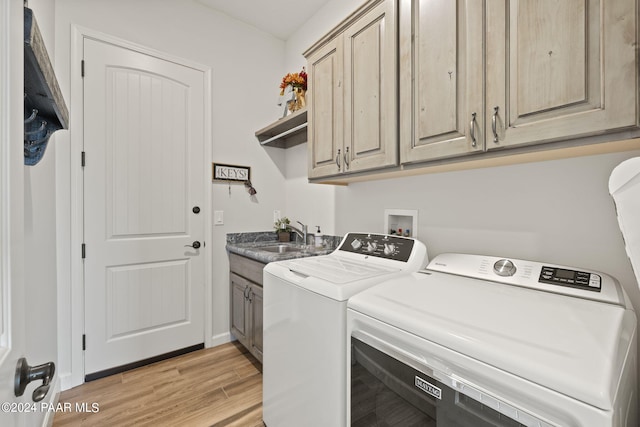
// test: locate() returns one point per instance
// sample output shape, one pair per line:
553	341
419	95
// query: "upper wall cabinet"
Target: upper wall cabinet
441	79
353	94
477	78
325	112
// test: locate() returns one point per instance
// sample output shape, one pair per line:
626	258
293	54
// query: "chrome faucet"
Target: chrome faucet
302	233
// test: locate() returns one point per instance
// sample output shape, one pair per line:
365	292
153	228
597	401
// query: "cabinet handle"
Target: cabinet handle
346	158
250	295
338	159
494	120
246	292
472	129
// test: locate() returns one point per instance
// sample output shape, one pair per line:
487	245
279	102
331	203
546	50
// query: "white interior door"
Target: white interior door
12	299
143	179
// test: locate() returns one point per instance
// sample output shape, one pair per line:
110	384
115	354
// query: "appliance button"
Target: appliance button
473	393
508	410
489	401
504	268
527	420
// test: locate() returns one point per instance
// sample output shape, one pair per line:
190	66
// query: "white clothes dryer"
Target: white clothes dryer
305	308
479	341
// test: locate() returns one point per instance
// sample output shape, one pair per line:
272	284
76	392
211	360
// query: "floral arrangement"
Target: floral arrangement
296	80
282	225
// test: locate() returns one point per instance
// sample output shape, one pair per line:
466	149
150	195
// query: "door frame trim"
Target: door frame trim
76	132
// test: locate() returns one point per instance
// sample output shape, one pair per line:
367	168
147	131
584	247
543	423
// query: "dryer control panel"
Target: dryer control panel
547	277
571	278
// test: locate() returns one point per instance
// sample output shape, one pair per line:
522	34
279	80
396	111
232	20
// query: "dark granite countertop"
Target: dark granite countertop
263	246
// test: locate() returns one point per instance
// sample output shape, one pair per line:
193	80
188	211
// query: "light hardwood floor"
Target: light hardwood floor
220	386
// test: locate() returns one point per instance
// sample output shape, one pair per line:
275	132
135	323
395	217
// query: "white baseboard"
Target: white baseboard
51	400
66	381
220	339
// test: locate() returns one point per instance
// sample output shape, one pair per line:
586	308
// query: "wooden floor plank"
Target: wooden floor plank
220	386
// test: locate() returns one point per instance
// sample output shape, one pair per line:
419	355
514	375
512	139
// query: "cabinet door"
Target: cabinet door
239	313
549	75
325	111
441	79
370	87
255	307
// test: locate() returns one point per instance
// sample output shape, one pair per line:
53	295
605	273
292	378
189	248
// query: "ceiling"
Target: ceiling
280	18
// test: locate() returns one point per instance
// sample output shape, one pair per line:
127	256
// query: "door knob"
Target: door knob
25	374
196	209
194	245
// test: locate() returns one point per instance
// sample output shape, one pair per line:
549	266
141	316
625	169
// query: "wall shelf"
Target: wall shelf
287	132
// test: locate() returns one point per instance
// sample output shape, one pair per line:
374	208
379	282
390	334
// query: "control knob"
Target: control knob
504	268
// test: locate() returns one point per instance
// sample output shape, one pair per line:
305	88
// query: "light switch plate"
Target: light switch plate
276	215
218	217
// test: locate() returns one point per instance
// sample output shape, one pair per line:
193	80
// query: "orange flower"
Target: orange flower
295	80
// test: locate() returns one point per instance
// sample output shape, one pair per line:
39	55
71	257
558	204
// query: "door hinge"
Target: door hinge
82	68
84	251
84	342
82	159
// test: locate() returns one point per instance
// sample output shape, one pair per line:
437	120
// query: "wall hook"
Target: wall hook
249	186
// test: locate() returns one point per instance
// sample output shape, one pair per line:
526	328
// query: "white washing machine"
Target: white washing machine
478	341
305	310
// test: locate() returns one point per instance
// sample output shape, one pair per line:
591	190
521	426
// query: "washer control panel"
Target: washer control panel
378	245
571	278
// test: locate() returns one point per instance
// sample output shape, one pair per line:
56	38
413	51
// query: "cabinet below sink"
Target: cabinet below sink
248	254
245	278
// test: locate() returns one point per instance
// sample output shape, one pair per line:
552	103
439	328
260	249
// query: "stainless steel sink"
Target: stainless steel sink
282	249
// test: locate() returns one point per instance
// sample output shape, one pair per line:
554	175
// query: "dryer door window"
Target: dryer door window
387	392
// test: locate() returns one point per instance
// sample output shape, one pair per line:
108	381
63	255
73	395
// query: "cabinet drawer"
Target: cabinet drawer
247	268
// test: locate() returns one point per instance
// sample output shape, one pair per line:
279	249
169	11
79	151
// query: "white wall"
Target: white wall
246	71
557	211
